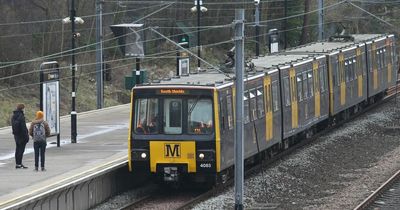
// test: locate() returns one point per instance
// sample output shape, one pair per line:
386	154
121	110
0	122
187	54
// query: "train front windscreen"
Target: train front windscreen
173	116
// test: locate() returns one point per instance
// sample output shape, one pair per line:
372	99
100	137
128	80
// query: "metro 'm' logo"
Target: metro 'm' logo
172	150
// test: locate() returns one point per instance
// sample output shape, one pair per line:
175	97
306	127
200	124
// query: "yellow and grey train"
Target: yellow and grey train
182	128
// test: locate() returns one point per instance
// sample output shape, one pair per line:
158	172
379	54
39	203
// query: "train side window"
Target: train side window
230	112
310	83
355	70
384	57
246	107
351	70
275	101
286	89
346	70
260	102
378	58
305	86
299	88
322	76
253	104
222	112
371	60
336	74
363	64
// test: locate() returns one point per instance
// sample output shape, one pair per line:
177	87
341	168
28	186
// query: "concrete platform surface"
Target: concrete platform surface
102	138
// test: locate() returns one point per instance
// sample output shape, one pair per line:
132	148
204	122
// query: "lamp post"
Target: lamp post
257	25
198	8
73	69
99	54
73	19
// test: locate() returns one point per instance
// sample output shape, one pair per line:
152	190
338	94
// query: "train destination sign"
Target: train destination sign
172	91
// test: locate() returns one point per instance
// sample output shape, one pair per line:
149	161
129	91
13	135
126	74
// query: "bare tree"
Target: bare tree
305	32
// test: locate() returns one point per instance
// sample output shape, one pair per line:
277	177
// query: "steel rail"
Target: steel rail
383	188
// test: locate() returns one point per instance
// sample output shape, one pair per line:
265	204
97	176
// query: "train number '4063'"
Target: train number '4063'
205	165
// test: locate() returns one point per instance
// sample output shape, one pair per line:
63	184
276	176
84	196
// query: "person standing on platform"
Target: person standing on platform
20	133
39	130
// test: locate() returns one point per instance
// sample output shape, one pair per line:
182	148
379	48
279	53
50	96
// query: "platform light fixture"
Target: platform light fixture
198	7
73	20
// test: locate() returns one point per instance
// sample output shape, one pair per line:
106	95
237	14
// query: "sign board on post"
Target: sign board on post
182	56
50	96
184	66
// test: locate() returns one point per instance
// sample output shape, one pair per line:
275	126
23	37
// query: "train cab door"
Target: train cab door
293	97
173	116
268	108
317	91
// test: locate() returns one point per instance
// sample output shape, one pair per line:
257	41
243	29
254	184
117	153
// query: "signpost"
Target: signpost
182	56
50	96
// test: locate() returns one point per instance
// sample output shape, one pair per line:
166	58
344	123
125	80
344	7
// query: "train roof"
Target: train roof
266	64
325	47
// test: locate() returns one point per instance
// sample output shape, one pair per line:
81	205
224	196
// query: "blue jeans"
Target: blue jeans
39	147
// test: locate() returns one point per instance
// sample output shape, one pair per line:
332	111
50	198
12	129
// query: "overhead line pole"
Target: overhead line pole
99	54
320	20
73	69
239	65
257	27
198	34
285	24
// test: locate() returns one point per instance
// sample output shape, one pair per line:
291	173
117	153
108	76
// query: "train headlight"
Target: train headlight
201	156
143	155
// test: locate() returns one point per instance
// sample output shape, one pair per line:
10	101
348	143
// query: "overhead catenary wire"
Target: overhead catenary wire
51	56
84	16
161	55
154	56
217	26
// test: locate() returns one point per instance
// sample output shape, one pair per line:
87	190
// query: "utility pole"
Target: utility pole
285	23
257	26
99	54
198	33
320	20
239	65
73	69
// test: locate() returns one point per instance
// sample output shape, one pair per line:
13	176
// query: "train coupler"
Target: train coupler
171	174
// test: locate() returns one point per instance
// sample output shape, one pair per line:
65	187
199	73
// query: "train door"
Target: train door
374	66
342	79
389	60
359	72
317	93
268	108
293	98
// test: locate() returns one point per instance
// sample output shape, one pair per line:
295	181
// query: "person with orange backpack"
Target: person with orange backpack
39	130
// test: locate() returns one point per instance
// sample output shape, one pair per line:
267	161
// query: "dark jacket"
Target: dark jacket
46	127
19	128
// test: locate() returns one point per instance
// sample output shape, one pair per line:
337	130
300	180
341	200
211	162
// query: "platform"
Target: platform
102	139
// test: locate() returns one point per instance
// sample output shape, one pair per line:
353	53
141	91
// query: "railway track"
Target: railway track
387	196
167	199
185	200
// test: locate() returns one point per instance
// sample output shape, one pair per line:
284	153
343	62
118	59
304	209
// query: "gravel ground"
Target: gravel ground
337	171
125	198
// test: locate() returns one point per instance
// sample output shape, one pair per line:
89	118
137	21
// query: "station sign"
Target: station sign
50	96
